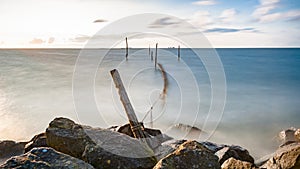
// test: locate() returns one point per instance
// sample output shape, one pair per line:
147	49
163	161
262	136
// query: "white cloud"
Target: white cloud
37	41
228	15
265	7
201	19
290	15
205	2
268	2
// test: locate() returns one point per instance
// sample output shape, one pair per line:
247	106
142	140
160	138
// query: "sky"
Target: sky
225	23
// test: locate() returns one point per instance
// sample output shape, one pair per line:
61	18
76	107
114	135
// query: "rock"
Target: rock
67	137
154	137
286	157
116	150
45	158
126	129
191	155
297	135
10	148
236	152
213	146
103	159
37	141
288	136
233	163
167	147
96	146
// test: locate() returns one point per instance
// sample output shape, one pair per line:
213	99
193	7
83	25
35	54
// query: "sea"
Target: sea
235	96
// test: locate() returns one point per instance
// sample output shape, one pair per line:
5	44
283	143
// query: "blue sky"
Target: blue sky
225	23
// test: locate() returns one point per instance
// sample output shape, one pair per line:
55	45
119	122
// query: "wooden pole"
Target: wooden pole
151	55
126	49
136	127
178	52
151	118
155	63
149	50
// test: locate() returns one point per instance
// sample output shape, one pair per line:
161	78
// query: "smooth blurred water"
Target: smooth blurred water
262	92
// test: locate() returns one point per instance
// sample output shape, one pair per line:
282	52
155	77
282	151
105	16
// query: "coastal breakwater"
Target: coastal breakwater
66	144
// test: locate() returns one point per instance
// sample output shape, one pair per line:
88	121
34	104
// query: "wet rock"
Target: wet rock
236	152
45	158
191	155
37	141
286	157
10	148
233	163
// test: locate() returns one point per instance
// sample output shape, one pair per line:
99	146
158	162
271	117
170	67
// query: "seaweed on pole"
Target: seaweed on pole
165	78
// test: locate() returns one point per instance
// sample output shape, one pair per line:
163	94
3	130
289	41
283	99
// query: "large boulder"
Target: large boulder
10	148
236	152
104	159
117	150
191	155
68	137
98	146
45	158
39	140
286	157
233	163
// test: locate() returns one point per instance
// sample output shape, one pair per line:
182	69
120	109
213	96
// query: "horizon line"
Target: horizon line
224	47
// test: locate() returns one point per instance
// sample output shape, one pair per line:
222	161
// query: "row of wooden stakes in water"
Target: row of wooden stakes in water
151	52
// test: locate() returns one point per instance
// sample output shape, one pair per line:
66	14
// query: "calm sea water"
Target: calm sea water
263	89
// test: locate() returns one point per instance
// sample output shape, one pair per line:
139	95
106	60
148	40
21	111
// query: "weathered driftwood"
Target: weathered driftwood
126	55
136	127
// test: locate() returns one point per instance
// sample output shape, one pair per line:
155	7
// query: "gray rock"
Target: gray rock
233	163
286	157
189	155
37	141
103	159
167	147
45	158
213	146
236	152
98	146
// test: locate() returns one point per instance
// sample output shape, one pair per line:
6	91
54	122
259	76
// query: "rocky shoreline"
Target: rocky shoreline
68	145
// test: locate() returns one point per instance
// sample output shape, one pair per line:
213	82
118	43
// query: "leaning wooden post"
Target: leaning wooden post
178	52
136	127
126	49
155	62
